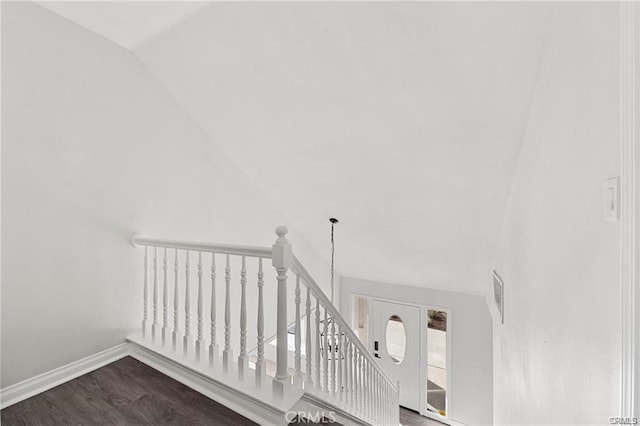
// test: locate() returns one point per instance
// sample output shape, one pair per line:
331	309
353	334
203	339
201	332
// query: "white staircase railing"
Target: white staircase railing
329	361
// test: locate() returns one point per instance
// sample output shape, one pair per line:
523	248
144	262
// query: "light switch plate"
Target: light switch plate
611	199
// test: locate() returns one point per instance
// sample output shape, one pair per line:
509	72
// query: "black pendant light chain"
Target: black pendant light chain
333	222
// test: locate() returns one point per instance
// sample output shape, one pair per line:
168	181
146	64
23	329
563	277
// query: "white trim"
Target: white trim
45	381
310	402
425	322
254	405
234	399
251	408
630	207
141	241
423	346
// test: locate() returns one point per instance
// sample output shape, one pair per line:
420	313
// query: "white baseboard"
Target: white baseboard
241	403
45	381
245	404
313	407
234	399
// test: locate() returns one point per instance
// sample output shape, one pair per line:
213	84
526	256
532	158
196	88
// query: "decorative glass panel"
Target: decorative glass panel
396	338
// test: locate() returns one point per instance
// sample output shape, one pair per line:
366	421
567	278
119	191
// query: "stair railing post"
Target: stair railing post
282	257
260	363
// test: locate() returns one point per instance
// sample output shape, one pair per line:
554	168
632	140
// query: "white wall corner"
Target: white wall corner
630	207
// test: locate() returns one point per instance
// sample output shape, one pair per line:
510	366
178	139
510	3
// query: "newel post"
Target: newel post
282	257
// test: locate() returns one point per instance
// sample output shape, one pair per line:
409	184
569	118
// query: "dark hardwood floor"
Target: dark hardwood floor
411	418
128	392
125	392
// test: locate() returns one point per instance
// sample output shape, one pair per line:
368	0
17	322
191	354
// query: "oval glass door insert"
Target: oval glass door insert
396	338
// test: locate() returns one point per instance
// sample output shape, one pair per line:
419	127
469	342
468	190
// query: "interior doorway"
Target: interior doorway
412	344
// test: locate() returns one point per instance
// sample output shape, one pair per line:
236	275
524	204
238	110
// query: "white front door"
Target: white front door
396	346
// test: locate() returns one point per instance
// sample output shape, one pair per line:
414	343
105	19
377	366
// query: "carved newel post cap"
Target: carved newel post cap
281	231
281	253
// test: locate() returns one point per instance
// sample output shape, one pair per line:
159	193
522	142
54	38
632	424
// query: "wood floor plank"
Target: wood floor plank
126	392
411	418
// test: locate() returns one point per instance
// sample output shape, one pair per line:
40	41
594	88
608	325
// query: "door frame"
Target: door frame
425	322
630	209
424	311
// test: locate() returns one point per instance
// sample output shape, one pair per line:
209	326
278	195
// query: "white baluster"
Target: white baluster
367	386
358	386
156	296
361	388
243	364
367	381
349	375
281	256
145	294
176	305
260	363
363	370
200	342
385	396
297	379
345	383
325	352
227	353
186	340
307	345
377	402
339	348
396	405
213	346
165	302
374	405
392	405
334	375
369	389
376	395
317	353
385	401
381	400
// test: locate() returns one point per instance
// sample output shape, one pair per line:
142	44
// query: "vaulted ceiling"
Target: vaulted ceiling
403	120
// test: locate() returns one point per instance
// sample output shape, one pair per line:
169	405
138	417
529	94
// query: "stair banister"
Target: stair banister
232	249
338	367
298	268
281	259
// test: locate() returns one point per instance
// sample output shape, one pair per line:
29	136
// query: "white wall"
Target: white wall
471	392
94	150
401	119
556	358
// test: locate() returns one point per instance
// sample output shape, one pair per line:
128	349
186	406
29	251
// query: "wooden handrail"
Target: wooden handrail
264	252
